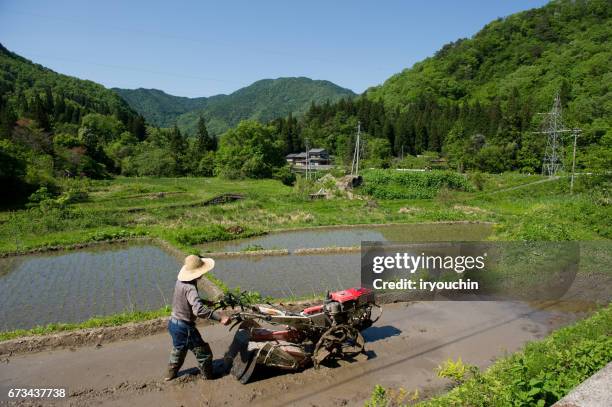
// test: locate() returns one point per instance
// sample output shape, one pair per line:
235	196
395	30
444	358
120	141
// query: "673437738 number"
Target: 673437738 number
36	393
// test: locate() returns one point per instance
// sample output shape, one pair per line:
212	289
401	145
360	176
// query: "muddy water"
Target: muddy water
353	236
75	286
292	275
304	275
405	347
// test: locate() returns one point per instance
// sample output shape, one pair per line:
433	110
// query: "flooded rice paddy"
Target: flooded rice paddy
292	275
353	236
75	286
313	274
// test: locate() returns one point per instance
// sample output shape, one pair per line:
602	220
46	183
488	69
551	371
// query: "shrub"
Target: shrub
391	184
303	187
478	180
206	165
156	162
379	397
456	371
539	375
285	175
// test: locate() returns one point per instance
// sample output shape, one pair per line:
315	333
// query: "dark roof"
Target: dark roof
292	155
316	150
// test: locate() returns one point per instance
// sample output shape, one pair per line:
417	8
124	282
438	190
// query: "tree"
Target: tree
12	172
103	128
389	133
378	152
206	165
250	150
204	141
7	120
150	161
96	132
40	114
178	149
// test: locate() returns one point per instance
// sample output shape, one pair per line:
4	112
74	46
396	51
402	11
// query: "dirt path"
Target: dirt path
405	347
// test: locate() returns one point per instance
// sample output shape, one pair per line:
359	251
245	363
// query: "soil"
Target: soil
403	350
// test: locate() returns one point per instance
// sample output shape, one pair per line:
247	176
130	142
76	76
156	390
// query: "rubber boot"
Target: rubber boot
177	357
204	357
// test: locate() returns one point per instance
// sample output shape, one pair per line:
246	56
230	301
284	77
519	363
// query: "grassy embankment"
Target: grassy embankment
96	322
523	208
130	207
539	375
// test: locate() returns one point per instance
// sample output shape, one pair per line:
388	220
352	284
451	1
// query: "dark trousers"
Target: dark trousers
185	336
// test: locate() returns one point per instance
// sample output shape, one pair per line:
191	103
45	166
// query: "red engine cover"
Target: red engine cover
313	310
263	334
351	294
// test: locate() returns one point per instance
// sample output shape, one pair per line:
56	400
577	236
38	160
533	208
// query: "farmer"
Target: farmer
186	307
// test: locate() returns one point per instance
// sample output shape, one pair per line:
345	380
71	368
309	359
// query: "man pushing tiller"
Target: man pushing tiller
186	307
331	330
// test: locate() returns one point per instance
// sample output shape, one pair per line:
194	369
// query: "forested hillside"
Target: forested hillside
263	100
476	101
158	107
53	124
483	92
30	90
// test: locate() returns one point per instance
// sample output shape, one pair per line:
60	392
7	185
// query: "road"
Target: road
404	349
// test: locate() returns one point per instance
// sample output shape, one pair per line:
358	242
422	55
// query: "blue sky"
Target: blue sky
202	48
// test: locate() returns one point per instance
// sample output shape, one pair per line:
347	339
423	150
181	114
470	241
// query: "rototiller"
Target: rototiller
277	338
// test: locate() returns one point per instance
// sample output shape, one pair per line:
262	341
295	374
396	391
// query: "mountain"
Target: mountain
31	90
54	125
565	44
158	107
476	101
263	100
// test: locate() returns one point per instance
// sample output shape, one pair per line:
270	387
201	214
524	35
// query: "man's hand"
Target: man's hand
225	320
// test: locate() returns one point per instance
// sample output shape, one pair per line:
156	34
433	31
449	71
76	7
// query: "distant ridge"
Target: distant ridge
263	100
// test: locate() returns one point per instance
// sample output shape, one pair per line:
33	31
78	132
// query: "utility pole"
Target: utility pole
307	159
355	165
573	162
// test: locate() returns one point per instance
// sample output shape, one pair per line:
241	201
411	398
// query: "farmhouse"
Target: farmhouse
315	156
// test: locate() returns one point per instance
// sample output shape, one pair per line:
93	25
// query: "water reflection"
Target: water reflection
75	286
353	236
293	275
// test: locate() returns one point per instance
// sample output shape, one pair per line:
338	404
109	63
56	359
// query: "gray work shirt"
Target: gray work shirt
187	304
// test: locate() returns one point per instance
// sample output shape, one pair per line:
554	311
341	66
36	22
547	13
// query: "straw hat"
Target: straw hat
195	267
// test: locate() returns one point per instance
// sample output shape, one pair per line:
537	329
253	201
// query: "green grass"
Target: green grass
127	207
544	211
539	375
385	184
96	322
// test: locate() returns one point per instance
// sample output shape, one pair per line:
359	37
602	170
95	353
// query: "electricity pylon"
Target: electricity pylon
554	144
554	129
